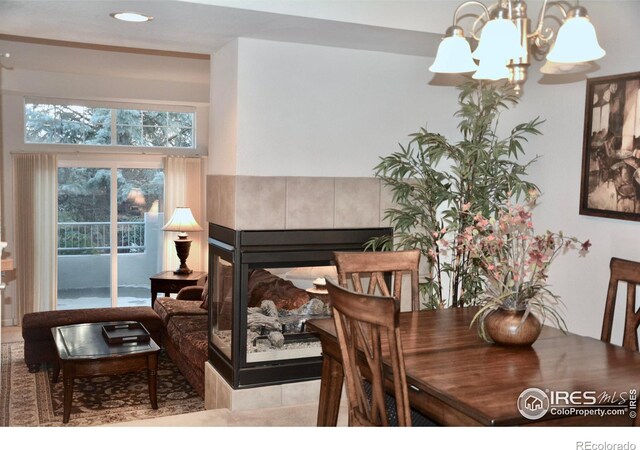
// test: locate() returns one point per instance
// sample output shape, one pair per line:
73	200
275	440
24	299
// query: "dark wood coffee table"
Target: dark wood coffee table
84	352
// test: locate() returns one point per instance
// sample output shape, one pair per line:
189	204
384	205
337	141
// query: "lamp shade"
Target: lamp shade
500	39
492	69
454	56
182	220
576	42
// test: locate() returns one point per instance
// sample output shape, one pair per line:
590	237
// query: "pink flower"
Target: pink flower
482	223
584	248
536	257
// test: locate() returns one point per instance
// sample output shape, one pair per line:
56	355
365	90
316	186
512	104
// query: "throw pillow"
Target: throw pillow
205	296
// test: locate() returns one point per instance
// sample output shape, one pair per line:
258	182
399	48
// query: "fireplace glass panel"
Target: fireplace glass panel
280	301
265	285
222	300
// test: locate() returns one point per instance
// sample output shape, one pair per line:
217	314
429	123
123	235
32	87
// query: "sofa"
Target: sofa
184	332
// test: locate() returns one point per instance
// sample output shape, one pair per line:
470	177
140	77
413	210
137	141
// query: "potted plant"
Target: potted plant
432	177
515	262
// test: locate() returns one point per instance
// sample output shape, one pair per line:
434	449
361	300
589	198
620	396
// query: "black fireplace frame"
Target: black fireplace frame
248	249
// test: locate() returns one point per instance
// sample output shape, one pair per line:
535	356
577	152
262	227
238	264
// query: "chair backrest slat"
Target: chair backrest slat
364	323
623	270
375	265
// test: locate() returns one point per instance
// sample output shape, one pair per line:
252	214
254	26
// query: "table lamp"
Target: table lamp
182	221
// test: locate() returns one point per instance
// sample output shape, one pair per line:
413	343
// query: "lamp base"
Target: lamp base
183	245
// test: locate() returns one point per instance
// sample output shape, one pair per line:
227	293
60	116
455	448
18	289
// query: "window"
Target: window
154	128
67	124
53	123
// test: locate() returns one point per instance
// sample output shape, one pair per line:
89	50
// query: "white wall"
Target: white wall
224	110
87	74
309	110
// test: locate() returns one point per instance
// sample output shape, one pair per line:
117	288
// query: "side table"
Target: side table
168	282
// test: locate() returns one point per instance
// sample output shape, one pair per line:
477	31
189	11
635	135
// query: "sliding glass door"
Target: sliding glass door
109	234
139	233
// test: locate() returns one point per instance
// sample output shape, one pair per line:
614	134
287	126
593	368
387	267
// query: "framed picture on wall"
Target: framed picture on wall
610	184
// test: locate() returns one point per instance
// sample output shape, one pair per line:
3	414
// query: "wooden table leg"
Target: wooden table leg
330	392
154	296
67	379
56	371
152	374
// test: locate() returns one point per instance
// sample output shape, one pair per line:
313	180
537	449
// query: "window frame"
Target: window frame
113	147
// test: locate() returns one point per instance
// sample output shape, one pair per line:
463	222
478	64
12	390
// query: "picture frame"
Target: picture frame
610	184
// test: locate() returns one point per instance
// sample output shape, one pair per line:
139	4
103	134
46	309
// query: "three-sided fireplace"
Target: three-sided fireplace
263	286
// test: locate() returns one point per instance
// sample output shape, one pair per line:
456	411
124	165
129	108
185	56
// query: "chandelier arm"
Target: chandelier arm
463	5
470	3
546	35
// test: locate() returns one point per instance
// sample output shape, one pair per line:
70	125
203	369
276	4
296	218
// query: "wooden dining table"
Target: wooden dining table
457	379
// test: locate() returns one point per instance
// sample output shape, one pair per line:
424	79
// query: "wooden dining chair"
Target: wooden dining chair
362	322
353	266
623	270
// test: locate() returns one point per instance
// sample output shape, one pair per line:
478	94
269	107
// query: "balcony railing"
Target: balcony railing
82	238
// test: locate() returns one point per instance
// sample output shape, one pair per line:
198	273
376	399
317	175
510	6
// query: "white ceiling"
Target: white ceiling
200	27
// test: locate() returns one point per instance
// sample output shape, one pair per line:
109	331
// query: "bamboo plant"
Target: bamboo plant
437	183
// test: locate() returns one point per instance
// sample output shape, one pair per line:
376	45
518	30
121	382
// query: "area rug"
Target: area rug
30	399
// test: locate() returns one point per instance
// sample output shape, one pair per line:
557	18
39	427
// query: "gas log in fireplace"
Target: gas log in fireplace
264	286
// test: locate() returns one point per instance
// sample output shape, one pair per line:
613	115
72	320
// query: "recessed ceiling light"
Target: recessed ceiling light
131	17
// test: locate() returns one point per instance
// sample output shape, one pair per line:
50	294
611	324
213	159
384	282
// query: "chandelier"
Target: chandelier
507	43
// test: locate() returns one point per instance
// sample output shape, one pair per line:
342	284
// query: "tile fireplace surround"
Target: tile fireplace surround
286	203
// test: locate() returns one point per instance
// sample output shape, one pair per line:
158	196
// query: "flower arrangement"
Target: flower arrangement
516	262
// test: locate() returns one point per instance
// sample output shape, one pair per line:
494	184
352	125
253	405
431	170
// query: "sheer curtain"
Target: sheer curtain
183	187
36	231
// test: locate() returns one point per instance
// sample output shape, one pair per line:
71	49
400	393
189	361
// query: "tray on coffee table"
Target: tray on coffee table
128	332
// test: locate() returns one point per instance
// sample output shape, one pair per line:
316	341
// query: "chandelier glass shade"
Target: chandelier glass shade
500	39
492	69
506	43
454	56
576	43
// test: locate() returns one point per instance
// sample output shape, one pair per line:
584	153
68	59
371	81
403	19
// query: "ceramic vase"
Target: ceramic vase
506	327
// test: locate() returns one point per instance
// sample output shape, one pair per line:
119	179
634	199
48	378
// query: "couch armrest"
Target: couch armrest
190	293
